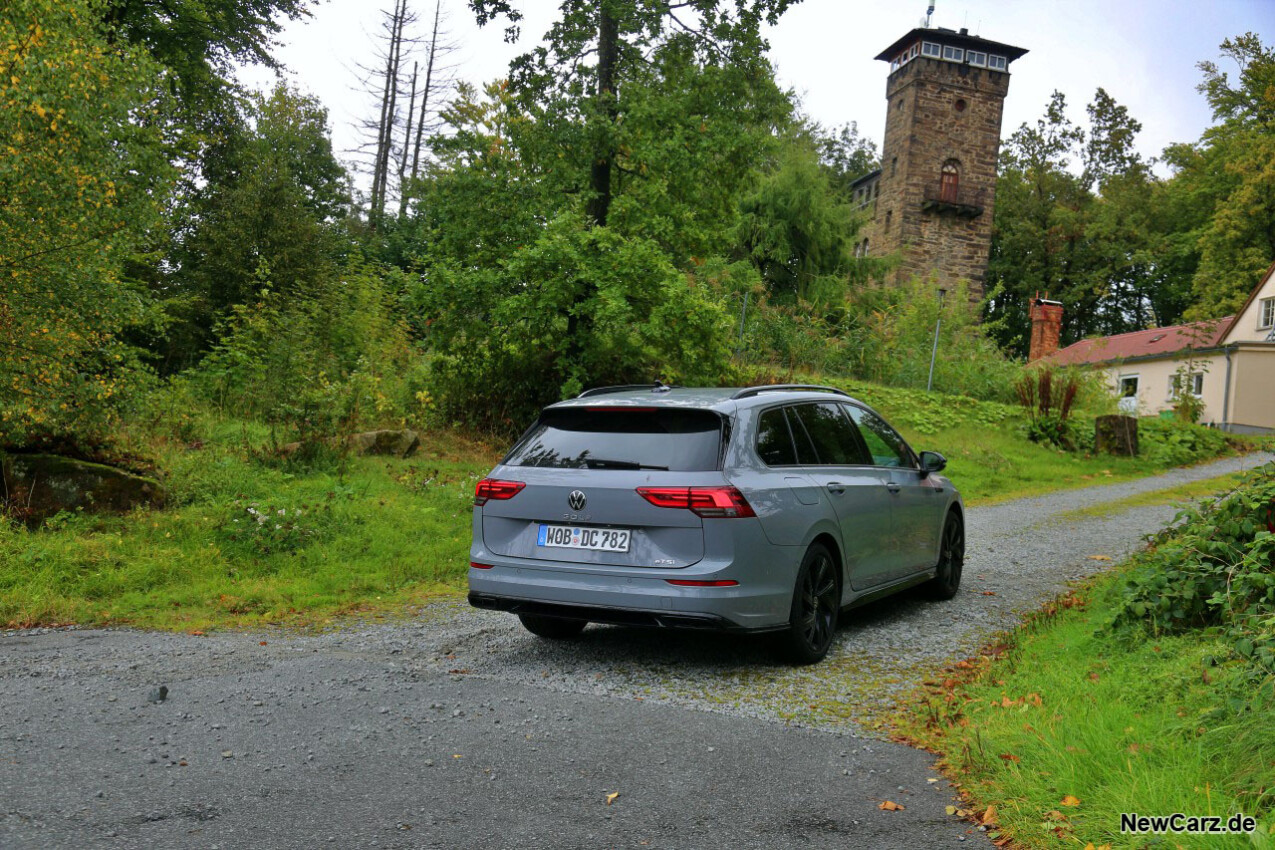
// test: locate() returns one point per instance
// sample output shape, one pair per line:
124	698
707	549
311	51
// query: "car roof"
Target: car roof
718	399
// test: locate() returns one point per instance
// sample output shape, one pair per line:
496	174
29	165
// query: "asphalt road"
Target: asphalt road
458	730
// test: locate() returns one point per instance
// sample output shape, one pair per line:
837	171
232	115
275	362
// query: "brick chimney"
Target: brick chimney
1046	319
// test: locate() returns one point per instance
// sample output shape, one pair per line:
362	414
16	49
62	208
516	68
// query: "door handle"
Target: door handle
836	487
893	488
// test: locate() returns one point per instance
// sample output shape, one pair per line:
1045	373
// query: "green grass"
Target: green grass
383	535
1062	709
377	535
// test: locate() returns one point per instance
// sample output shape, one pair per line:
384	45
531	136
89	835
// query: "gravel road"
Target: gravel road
457	729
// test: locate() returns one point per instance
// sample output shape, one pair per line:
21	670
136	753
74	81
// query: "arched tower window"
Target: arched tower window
950	182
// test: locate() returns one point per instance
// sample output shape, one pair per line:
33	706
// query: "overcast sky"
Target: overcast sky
1143	53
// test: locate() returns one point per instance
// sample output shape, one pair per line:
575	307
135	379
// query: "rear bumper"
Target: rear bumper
631	597
613	616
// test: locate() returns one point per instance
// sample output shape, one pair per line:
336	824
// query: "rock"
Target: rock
159	694
39	486
394	443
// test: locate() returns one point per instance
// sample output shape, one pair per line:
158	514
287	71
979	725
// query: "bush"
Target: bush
581	306
318	366
1214	567
1172	442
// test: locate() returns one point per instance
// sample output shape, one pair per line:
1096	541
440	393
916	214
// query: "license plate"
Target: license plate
572	537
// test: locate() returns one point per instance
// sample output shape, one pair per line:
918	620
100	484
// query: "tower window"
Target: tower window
996	63
929	48
894	165
974	57
959	105
889	214
955	54
950	182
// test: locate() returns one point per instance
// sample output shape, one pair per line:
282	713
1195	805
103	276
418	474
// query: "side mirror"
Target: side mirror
932	462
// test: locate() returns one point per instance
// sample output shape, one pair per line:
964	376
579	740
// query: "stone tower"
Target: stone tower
931	201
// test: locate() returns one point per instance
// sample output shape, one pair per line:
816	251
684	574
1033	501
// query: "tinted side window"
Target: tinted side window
835	442
774	441
884	444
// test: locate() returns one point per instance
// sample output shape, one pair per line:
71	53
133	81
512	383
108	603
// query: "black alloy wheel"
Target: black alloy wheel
553	628
816	601
947	578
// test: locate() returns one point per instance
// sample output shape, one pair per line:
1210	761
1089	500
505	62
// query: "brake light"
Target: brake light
479	566
725	502
686	582
492	488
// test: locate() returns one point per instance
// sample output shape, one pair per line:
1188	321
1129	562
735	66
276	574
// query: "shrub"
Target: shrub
580	306
1048	396
1177	443
1214	567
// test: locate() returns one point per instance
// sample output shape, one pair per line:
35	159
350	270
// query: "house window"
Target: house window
1267	313
955	54
996	63
950	182
975	58
1194	383
929	48
1128	386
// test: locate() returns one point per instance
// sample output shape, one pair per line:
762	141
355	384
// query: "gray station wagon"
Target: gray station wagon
766	509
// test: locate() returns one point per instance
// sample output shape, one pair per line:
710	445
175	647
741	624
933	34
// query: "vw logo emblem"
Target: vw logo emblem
576	500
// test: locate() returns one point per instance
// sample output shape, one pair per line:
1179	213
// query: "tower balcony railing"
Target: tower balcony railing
961	201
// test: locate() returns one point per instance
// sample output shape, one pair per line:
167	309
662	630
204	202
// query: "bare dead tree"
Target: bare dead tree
394	146
440	79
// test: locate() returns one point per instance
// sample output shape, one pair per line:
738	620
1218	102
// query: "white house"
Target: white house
1229	364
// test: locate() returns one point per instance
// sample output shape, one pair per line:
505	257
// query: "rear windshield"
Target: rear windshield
620	438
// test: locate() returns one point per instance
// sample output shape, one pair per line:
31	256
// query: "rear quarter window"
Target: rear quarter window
622	438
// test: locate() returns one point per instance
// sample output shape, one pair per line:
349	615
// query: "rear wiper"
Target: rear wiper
604	463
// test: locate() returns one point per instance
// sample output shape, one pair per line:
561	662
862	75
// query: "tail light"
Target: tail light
492	488
725	502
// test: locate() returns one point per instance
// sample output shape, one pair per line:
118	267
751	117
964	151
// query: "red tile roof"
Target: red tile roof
1156	342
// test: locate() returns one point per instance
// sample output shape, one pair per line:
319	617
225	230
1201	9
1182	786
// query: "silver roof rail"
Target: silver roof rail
657	387
749	392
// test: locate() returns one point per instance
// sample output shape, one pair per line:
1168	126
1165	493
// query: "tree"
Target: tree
799	230
199	43
274	192
622	34
84	171
1234	168
845	155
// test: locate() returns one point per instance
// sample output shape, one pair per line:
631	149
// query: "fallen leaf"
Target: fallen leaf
989	593
1069	801
261	643
458	671
1055	815
1093	677
931	780
951	810
1009	757
196	633
457	756
1100	557
989	816
890	806
611	797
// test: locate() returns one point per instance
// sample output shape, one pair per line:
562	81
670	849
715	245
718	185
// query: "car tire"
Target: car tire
816	603
553	628
947	576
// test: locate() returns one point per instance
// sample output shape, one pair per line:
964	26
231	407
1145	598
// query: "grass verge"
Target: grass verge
1057	728
376	535
250	543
